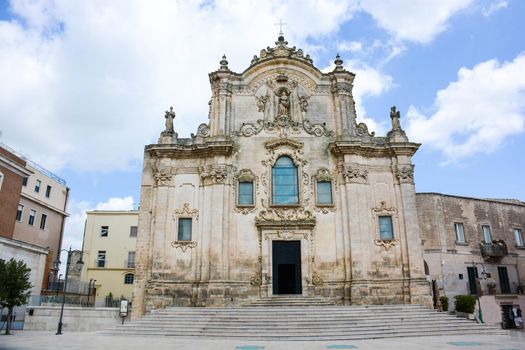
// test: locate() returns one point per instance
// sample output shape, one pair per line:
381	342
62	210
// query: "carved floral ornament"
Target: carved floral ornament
162	177
383	208
386	244
354	173
184	245
405	173
284	214
214	174
186	211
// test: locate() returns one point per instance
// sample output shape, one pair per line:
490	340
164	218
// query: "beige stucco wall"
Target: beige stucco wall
110	279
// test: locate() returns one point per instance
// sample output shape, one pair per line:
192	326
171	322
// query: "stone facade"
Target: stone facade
450	255
280	106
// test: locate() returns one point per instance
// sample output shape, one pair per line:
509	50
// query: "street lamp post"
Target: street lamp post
478	290
79	264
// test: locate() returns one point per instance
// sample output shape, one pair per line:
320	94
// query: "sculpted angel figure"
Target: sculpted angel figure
395	115
170	115
284	104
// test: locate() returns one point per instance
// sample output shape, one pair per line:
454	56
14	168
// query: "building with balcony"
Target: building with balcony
109	253
474	246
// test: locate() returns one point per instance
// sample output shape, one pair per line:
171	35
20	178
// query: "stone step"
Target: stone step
301	323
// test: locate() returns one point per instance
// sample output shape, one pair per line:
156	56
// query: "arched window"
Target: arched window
128	278
285	185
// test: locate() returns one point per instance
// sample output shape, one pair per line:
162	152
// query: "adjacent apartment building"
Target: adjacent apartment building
475	246
34	209
109	253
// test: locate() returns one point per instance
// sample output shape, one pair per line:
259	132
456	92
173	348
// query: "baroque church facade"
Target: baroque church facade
282	192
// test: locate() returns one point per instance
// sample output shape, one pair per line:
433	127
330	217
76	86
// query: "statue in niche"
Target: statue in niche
170	115
284	104
395	115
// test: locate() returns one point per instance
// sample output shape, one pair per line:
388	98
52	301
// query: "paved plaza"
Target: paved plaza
86	341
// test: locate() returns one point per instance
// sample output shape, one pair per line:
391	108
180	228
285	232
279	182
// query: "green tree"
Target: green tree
14	286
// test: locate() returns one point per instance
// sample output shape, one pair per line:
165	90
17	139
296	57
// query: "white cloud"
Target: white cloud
85	84
419	21
493	7
476	113
349	46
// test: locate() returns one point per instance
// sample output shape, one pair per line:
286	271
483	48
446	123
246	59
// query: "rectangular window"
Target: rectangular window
32	214
324	192
101	258
460	233
24	181
184	233
487	237
43	220
519	237
133	231
386	232
19	212
48	191
37	186
131	260
245	193
104	231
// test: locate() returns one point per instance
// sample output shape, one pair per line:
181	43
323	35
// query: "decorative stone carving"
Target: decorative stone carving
251	129
184	245
303	103
316	129
283	108
405	173
382	208
284	214
395	115
362	130
323	174
216	174
162	177
387	244
281	50
186	211
316	280
256	280
170	115
355	173
261	103
202	131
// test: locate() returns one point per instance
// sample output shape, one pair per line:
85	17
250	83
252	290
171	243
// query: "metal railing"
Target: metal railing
494	249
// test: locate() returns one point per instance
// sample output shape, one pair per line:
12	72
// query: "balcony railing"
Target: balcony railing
129	264
495	249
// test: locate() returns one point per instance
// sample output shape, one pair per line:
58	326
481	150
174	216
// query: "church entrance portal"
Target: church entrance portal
286	262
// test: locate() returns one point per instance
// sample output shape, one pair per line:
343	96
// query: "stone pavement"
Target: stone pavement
21	340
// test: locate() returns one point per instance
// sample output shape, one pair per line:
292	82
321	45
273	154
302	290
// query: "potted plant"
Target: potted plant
491	286
465	305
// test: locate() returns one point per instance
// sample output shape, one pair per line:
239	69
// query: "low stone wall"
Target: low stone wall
45	318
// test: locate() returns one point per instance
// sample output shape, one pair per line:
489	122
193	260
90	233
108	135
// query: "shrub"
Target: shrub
444	302
465	303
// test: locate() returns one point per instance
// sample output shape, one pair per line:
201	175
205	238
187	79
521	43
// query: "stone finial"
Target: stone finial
224	63
338	63
395	115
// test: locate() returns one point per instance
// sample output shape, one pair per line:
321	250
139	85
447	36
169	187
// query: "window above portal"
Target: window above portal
285	184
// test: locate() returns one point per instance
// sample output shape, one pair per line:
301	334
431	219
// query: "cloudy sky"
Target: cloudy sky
85	83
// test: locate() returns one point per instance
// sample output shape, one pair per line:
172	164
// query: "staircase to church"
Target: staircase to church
285	318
